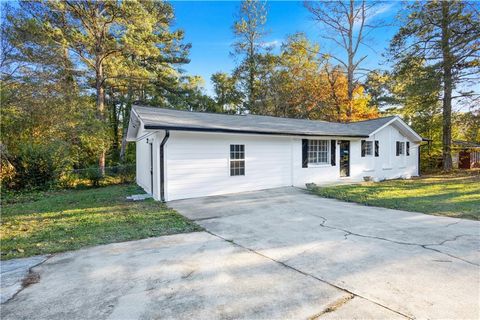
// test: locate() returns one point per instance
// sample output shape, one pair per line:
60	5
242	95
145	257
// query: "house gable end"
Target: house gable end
402	127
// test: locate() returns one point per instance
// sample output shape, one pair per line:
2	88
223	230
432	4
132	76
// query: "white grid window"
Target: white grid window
237	159
318	151
401	148
368	148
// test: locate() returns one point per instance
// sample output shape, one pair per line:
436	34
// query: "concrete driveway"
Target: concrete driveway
273	254
409	264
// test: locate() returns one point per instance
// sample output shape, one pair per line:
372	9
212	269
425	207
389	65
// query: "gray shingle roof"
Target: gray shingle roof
158	118
466	144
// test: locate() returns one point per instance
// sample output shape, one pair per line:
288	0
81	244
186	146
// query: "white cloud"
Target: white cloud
274	43
384	7
380	9
375	12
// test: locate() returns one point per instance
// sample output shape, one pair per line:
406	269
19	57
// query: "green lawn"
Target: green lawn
71	219
454	195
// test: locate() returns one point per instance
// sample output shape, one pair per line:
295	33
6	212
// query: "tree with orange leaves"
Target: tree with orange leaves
303	84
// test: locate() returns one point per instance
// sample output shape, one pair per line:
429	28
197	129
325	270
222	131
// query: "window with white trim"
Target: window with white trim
401	148
367	147
318	151
237	159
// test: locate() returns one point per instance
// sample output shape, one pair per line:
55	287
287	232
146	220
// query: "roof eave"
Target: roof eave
225	130
134	124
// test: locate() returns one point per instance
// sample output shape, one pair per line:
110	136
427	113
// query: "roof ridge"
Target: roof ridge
366	120
235	115
158	118
277	117
188	111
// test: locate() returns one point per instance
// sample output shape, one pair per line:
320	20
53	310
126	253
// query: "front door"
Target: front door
344	158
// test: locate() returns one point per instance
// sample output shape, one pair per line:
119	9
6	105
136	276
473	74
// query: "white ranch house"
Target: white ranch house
182	154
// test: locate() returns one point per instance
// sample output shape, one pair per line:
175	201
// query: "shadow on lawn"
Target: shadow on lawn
76	219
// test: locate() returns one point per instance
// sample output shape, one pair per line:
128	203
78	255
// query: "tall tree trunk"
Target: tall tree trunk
115	123
332	79
71	87
350	92
123	147
447	89
100	91
350	68
251	78
71	92
125	122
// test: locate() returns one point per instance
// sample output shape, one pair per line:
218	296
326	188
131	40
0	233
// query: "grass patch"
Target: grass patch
454	195
57	221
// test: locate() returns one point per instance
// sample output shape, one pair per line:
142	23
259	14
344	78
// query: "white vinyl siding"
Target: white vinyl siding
198	164
387	165
143	165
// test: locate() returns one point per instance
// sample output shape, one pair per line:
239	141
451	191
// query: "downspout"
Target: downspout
151	166
162	165
419	160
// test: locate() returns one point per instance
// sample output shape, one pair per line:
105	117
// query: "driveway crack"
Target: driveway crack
450	255
30	278
451	224
311	276
333	306
424	246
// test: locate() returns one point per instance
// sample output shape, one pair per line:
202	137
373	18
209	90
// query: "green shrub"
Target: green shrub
126	173
7	171
94	175
38	166
68	180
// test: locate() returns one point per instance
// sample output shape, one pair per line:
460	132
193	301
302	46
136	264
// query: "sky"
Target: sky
208	27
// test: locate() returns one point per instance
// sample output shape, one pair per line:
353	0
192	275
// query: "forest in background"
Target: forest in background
71	71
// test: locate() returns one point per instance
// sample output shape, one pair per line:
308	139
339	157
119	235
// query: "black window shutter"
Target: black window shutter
332	152
376	148
398	148
304	153
363	148
408	148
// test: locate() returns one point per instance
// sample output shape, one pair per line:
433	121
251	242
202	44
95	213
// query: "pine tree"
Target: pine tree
121	44
446	35
249	31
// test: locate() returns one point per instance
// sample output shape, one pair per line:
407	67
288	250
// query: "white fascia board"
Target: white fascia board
410	130
134	124
311	137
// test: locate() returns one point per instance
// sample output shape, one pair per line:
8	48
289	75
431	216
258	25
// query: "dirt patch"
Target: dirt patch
31	278
333	306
